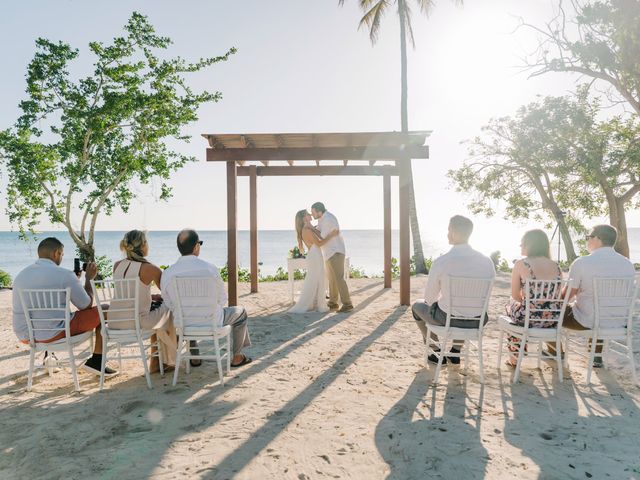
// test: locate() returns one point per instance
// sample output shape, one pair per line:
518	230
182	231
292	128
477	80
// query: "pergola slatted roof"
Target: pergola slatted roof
397	149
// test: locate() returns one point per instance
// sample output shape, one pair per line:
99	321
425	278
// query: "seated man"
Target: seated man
189	265
460	261
46	273
602	261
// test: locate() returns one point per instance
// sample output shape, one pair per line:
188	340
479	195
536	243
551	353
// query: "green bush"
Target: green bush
5	279
355	272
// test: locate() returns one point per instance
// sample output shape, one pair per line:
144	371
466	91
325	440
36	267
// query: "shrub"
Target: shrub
5	279
355	272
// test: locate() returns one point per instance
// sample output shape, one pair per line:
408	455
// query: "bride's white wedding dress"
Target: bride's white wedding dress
312	298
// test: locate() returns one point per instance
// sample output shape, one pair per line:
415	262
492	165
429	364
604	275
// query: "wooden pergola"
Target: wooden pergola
385	154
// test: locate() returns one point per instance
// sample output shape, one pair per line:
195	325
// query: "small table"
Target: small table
294	264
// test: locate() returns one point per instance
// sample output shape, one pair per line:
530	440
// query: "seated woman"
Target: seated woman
154	315
537	264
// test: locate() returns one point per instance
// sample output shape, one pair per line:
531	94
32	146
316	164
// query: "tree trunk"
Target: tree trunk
618	219
565	234
404	122
87	252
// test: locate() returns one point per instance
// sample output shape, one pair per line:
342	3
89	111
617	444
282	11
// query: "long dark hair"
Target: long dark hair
536	244
299	226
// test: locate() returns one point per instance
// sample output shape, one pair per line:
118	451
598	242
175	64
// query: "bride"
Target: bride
313	293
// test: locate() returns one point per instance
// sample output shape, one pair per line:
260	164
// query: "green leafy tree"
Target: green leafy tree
374	11
528	162
608	157
80	142
600	40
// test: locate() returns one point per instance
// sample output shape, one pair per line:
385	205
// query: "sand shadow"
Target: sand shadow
277	422
122	430
569	430
413	436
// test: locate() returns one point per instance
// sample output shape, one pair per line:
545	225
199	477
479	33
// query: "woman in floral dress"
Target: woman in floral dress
537	264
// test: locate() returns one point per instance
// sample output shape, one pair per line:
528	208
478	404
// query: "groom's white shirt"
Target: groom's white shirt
327	223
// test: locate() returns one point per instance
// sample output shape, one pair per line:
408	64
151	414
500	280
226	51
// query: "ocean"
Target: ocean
364	247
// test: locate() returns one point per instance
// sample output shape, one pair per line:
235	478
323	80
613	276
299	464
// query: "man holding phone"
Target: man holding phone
46	273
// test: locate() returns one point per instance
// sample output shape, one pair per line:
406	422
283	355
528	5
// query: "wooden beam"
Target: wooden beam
405	279
280	142
253	221
318	153
386	181
232	232
329	170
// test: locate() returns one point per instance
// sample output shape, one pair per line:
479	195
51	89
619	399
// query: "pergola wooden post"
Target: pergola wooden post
397	149
386	193
253	227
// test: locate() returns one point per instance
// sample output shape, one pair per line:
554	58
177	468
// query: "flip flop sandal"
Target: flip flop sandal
245	360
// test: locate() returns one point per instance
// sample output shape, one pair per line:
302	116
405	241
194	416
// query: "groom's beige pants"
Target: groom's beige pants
337	283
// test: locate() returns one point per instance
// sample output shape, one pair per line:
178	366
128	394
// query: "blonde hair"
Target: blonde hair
133	245
299	226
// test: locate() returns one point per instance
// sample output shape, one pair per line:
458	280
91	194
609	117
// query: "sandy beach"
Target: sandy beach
327	396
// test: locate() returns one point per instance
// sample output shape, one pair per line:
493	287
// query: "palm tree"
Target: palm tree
374	11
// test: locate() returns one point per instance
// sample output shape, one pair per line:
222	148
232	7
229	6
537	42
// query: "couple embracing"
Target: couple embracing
325	249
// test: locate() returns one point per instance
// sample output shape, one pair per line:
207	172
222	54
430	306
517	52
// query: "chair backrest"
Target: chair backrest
614	301
122	297
195	300
46	310
546	300
469	299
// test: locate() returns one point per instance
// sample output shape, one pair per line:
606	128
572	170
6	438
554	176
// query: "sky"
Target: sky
304	66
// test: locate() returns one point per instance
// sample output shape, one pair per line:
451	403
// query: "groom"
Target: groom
334	253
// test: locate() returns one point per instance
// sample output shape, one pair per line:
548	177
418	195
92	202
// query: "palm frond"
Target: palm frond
427	5
407	23
373	17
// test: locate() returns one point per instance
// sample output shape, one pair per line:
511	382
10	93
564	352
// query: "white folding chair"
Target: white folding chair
548	298
614	306
195	319
122	298
44	310
472	295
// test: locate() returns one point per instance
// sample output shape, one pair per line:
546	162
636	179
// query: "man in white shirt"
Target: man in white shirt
334	254
46	274
189	265
462	261
602	261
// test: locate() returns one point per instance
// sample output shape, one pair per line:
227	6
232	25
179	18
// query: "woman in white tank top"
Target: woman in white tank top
154	315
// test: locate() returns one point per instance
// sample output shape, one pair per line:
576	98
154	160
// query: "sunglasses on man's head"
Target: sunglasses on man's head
590	236
200	242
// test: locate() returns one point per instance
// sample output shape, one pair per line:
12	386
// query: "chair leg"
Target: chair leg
559	359
565	360
178	359
229	353
500	347
74	373
539	355
159	353
143	357
427	346
443	345
632	361
480	361
32	362
523	344
592	356
216	344
105	350
466	347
